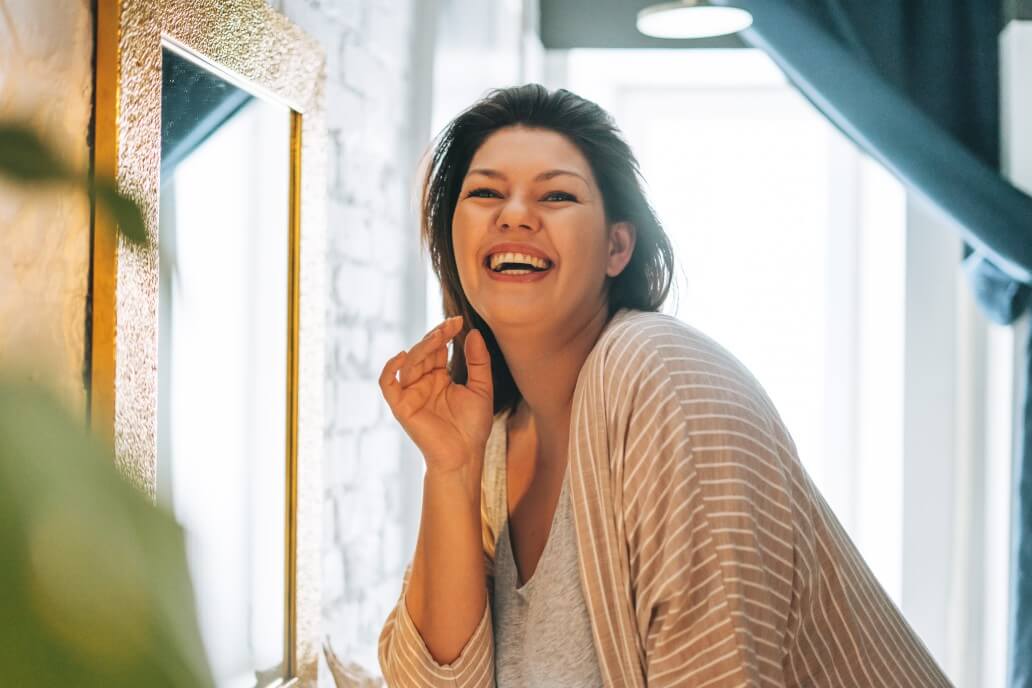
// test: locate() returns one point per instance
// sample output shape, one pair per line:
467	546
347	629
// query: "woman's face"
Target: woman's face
532	191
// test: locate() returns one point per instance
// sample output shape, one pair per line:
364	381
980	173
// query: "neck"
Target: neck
545	366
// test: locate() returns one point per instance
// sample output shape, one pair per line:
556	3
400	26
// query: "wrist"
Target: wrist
463	481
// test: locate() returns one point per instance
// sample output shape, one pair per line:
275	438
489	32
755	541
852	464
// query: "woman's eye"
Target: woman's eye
482	193
559	196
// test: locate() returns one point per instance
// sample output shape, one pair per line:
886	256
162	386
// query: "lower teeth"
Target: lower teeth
516	272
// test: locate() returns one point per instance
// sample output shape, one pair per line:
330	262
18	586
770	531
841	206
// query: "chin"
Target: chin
517	313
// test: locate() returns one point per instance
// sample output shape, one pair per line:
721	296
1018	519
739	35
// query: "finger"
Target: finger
412	375
478	364
414	370
431	364
441	358
388	384
428	343
436	340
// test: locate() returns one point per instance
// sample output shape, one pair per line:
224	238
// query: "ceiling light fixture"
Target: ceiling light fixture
691	19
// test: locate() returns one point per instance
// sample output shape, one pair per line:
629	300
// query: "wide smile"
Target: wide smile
517	274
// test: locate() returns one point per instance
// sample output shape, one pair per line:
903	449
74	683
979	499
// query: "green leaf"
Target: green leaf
25	157
125	212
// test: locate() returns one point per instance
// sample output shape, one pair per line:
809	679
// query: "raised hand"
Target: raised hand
449	422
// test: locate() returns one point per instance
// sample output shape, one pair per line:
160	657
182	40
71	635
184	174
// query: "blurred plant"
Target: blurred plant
25	158
96	590
94	587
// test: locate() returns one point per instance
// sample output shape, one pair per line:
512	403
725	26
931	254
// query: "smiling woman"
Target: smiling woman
536	161
505	190
610	496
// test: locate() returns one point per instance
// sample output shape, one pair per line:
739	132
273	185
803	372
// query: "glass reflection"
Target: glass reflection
222	436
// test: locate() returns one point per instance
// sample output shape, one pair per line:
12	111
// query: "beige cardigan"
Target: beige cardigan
707	556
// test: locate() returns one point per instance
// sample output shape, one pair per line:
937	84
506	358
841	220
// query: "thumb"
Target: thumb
478	364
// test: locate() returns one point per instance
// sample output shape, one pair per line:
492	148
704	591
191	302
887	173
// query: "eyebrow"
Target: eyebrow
544	176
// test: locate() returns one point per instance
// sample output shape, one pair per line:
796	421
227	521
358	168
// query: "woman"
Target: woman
610	497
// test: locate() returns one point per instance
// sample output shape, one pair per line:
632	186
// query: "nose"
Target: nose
516	213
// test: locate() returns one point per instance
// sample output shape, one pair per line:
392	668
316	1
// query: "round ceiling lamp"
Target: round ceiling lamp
691	19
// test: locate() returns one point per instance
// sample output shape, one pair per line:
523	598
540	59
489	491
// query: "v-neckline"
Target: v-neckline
523	587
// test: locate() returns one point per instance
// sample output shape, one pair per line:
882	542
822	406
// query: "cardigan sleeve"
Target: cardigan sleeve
406	661
710	571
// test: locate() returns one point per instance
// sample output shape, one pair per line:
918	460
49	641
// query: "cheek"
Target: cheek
587	242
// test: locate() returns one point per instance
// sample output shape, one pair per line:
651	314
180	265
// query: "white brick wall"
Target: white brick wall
375	306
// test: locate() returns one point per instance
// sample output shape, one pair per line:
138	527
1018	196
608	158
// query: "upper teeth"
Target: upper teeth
499	258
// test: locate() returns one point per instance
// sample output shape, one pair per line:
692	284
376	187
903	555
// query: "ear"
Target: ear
621	246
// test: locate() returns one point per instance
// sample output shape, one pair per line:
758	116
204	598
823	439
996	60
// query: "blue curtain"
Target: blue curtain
917	86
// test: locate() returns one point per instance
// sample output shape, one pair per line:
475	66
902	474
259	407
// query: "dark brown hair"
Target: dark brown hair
644	282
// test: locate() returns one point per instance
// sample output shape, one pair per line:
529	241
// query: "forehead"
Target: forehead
513	150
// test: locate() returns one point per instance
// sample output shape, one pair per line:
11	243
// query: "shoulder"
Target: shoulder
646	362
632	335
636	343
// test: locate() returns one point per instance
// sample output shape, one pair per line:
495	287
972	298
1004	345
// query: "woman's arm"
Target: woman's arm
447	594
707	570
712	575
741	573
440	631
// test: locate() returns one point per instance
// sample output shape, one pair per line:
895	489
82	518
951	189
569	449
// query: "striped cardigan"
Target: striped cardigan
707	556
